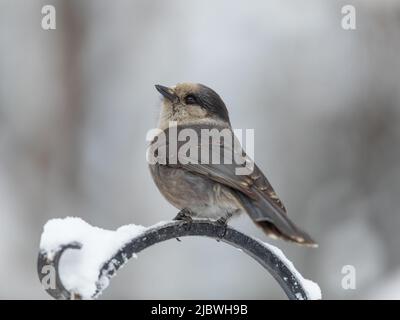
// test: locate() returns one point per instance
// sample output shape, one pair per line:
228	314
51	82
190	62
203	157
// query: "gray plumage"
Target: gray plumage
210	190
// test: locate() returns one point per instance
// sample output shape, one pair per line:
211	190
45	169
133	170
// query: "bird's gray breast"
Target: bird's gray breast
203	196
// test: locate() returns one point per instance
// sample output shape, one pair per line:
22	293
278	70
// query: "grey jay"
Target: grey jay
207	190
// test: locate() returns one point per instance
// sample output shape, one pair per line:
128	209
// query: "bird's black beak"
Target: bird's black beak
167	93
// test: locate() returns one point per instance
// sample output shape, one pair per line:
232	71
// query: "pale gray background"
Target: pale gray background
76	103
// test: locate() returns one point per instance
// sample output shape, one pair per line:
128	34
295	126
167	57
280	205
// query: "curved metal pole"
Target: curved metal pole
288	281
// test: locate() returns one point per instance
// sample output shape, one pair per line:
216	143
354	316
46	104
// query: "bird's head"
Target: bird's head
188	103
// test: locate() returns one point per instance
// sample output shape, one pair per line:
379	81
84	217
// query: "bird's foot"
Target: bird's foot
185	215
223	221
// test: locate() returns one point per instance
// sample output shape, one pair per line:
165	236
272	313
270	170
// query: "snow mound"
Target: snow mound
79	269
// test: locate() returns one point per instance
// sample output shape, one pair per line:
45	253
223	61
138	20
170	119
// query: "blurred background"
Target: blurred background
76	104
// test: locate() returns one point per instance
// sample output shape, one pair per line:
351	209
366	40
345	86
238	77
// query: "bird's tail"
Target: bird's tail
300	237
274	221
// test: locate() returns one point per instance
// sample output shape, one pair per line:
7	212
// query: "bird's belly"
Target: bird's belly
204	197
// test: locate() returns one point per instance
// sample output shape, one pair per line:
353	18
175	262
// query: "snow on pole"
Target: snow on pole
77	260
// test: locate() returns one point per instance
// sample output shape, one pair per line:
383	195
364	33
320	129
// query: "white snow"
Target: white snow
311	288
79	269
161	224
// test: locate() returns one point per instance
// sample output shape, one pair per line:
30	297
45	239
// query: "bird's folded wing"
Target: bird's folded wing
234	168
251	187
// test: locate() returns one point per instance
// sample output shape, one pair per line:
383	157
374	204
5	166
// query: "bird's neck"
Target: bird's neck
167	120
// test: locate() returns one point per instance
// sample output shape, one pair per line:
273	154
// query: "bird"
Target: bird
213	191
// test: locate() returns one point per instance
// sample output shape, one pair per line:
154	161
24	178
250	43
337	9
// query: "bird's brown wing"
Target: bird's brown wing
252	189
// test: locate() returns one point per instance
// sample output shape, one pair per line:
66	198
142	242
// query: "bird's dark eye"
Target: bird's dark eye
190	99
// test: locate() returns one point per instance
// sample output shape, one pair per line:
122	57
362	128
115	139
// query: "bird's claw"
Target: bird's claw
223	221
185	215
